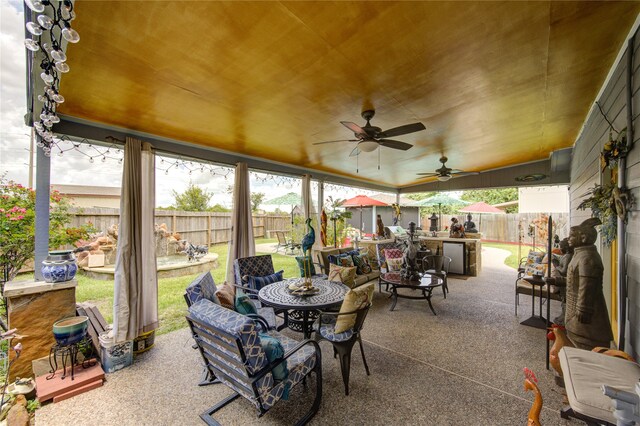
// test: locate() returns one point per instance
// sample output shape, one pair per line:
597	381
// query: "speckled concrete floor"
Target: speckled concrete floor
463	366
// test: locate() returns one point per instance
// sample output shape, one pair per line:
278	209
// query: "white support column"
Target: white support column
43	182
373	220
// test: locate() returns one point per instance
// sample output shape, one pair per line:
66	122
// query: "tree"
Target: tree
17	224
219	208
493	196
193	199
256	200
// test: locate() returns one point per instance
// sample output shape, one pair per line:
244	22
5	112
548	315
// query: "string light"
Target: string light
50	26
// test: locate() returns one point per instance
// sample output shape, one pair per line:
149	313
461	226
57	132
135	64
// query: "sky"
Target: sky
75	168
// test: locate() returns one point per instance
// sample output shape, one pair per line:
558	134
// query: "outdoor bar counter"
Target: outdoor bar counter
470	264
471	249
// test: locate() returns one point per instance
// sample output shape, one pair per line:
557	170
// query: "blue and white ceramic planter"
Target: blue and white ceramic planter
59	266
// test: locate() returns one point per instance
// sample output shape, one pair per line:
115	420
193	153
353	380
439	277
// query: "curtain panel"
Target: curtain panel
135	305
242	243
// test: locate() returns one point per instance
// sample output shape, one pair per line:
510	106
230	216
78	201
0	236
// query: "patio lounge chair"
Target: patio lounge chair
282	241
234	353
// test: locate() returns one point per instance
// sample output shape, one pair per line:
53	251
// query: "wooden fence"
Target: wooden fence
504	227
214	228
196	227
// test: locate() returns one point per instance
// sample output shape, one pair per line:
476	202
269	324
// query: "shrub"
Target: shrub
17	224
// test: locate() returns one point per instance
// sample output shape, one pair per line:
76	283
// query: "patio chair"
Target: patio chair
253	272
342	342
235	353
282	241
204	287
438	265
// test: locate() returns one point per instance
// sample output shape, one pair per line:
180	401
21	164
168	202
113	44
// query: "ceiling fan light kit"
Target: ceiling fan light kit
369	138
443	178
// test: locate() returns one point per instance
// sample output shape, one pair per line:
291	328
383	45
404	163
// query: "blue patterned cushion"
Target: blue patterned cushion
203	287
253	266
362	264
343	259
302	260
269	315
327	330
258	282
243	304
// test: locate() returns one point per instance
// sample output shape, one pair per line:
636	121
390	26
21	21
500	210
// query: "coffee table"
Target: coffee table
425	286
302	309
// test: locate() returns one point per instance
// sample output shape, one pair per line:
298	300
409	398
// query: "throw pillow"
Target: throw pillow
345	275
274	351
535	269
394	265
535	257
226	294
345	260
305	261
362	264
257	283
355	299
243	304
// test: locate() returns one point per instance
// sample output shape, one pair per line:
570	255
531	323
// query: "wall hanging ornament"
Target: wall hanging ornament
615	149
608	203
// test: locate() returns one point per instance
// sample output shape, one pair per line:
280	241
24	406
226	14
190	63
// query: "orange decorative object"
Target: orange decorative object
531	384
559	336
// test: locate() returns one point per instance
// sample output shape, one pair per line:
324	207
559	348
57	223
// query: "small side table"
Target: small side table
69	354
537	321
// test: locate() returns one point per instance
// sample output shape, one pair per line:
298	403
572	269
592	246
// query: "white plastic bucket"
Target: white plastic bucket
114	356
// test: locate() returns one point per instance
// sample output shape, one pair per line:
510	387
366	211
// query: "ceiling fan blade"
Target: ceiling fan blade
458	174
427	174
389	143
403	130
354	128
355	152
340	140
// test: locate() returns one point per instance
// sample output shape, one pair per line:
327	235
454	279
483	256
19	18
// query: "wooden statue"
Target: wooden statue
531	384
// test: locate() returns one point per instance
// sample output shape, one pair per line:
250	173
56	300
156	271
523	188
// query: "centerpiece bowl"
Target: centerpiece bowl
70	330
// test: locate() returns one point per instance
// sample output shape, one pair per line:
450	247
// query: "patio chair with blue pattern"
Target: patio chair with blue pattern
244	359
204	287
254	272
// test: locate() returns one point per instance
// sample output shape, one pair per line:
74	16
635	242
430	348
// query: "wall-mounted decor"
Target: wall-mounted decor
615	149
607	203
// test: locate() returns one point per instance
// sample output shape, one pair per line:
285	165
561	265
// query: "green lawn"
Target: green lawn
171	305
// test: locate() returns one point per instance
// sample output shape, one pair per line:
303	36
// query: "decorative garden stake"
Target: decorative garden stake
531	384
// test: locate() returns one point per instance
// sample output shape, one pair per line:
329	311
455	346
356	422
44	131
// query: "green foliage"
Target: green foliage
218	208
256	199
17	224
32	405
493	196
334	211
417	196
193	199
444	209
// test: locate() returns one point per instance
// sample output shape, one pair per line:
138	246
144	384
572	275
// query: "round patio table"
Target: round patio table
425	285
301	309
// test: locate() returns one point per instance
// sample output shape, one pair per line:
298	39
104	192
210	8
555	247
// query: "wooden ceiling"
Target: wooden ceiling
495	84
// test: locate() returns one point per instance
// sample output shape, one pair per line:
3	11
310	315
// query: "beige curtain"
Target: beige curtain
242	243
135	305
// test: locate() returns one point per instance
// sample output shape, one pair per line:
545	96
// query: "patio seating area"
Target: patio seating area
414	368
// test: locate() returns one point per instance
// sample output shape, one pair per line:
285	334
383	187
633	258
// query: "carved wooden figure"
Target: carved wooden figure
531	384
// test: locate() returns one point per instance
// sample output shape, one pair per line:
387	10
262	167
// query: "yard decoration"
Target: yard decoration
558	335
608	203
17	224
531	384
10	335
615	149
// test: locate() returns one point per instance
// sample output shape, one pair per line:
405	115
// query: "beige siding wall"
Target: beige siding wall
89	201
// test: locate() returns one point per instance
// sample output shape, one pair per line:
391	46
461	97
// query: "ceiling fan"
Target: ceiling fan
444	173
370	137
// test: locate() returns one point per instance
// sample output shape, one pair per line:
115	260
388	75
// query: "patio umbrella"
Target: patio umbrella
439	200
481	207
292	199
362	201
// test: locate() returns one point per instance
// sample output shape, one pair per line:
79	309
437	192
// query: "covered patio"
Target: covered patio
506	92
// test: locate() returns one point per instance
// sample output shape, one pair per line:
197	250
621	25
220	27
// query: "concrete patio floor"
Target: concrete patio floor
463	366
